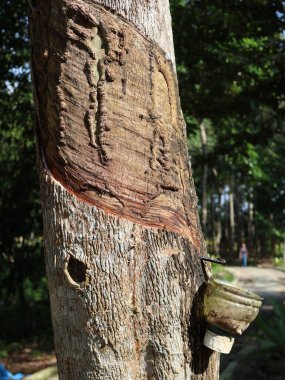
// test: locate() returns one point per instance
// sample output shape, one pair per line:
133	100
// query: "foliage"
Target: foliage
230	59
278	262
221	272
23	290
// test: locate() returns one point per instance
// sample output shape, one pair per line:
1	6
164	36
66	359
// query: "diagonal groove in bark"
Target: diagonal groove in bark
85	118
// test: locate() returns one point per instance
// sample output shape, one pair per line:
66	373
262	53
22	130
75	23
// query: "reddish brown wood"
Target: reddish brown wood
128	93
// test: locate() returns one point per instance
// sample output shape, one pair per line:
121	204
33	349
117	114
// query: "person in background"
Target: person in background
243	255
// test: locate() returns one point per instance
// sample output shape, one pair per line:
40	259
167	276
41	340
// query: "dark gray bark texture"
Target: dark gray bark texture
122	236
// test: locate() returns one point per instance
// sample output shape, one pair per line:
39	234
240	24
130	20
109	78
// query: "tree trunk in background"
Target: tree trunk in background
204	148
238	217
272	238
218	227
250	222
122	235
232	219
217	217
213	219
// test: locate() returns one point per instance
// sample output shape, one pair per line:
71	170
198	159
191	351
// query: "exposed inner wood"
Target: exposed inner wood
111	129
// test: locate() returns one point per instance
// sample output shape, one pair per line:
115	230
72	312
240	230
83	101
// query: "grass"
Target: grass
9	348
220	271
279	263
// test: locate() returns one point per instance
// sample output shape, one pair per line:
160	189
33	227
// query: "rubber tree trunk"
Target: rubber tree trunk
122	235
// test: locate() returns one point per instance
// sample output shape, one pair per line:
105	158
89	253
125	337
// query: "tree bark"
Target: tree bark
122	235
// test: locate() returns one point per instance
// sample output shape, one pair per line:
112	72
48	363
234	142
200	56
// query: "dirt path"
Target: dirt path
269	283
